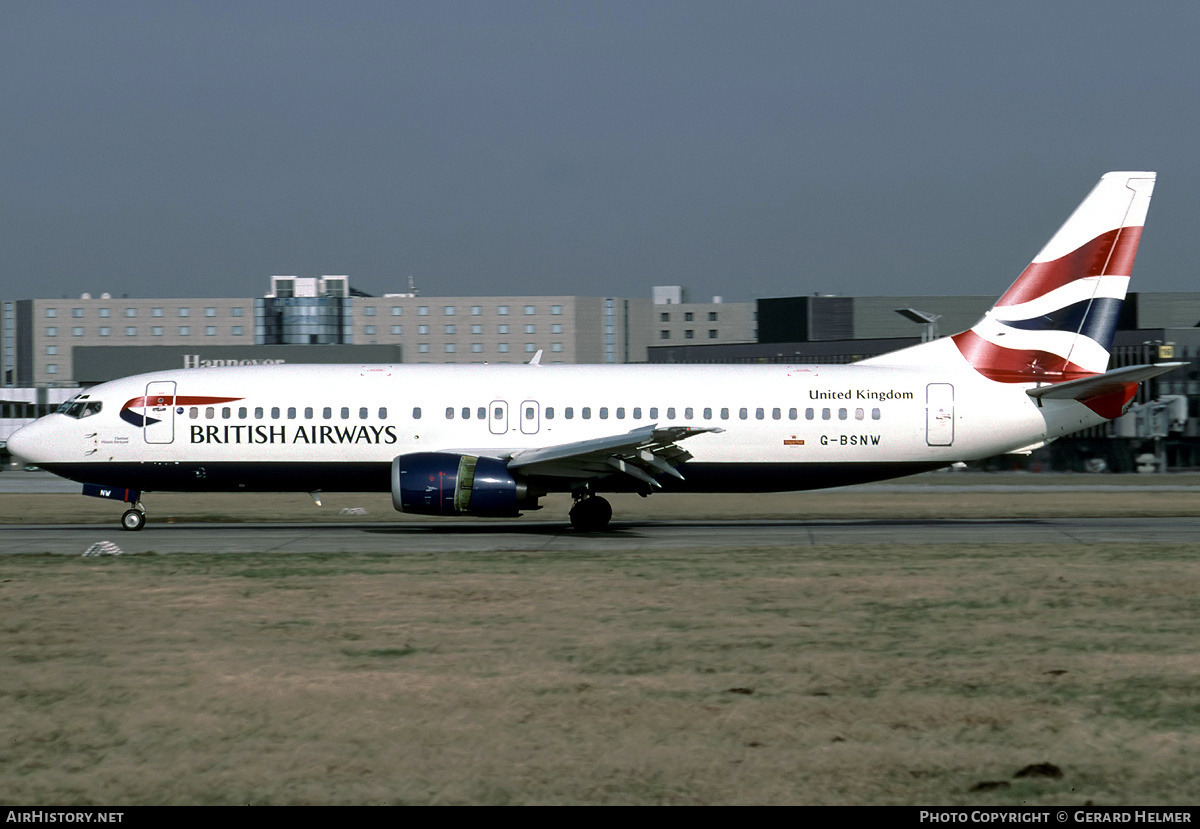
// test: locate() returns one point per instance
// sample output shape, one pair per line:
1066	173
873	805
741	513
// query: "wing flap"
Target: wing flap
640	454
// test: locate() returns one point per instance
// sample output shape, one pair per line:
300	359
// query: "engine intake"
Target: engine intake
445	483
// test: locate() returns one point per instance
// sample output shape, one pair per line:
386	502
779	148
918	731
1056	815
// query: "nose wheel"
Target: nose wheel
134	519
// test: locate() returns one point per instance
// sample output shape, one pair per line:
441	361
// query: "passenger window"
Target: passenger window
481	412
876	414
362	413
194	412
416	412
382	413
275	413
687	413
529	412
345	412
620	413
637	412
291	412
466	413
210	413
859	414
604	412
569	412
743	413
449	413
842	414
809	414
586	412
776	414
226	412
498	413
258	412
654	412
242	412
760	414
724	414
670	413
792	414
826	414
308	413
327	413
708	414
549	413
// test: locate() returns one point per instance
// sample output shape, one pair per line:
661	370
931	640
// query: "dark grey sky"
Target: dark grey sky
739	148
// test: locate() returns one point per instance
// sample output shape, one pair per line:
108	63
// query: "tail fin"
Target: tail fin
1057	321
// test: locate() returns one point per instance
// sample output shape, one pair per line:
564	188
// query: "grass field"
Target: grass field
893	674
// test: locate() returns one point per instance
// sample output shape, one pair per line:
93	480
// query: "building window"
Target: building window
236	331
156	331
156	312
689	334
447	310
51	350
77	331
397	311
130	331
476	348
423	311
210	330
501	329
422	329
105	331
450	329
556	328
555	309
530	310
476	310
530	329
185	330
556	346
51	312
235	312
502	348
52	368
449	348
397	329
370	329
664	334
664	317
502	310
712	316
77	313
185	312
422	348
369	311
689	316
131	312
210	312
712	333
476	329
530	348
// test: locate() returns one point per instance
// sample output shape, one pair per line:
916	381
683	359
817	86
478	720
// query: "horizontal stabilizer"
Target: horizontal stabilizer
1107	383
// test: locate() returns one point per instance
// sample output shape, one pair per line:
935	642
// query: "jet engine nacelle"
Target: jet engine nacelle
444	483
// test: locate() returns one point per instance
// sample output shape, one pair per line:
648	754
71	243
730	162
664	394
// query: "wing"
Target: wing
641	454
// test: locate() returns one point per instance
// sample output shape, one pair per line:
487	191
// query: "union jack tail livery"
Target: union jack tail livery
1056	322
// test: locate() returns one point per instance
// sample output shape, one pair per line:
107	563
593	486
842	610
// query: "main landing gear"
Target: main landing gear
591	513
134	519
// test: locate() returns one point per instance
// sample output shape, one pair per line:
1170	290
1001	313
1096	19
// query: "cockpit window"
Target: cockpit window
80	407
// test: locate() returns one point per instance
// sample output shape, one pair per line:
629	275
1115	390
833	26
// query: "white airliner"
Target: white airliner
490	440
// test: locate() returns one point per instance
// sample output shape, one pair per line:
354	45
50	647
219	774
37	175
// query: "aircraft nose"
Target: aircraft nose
22	443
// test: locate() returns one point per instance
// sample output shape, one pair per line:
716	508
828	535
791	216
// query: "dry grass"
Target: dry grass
883	675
